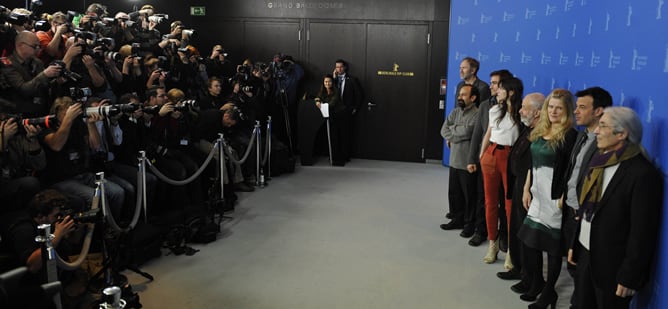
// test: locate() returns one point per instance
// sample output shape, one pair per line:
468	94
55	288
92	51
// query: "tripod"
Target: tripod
284	102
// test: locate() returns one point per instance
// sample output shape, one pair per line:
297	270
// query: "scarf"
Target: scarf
592	188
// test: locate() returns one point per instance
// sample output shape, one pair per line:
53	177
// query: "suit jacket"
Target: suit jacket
519	160
585	162
353	95
625	226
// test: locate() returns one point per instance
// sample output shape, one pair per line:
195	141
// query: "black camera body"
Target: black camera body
80	94
88	216
64	72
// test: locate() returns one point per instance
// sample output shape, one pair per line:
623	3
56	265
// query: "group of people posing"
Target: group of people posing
523	177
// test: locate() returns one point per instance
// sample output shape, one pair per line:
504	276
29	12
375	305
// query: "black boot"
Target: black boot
547	298
537	285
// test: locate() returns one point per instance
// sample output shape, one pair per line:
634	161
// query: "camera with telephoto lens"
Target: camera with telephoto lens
185	105
110	110
151	110
80	94
190	33
158	18
45	122
88	216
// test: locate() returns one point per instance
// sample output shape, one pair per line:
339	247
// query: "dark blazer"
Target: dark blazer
519	160
625	226
585	162
353	95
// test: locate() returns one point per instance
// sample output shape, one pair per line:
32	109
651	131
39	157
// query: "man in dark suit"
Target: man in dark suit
352	97
588	111
620	207
519	163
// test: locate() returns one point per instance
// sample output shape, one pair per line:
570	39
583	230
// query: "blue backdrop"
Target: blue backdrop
621	46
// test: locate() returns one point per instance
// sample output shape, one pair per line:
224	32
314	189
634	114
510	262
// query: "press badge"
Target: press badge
74	156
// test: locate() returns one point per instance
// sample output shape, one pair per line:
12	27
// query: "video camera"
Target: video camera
88	216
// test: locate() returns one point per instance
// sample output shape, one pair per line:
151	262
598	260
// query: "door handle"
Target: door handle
370	105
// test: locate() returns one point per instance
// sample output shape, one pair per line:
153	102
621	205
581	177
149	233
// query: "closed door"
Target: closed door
391	124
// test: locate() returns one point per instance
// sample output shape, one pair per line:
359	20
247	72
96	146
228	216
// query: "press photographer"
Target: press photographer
27	81
169	145
19	231
69	151
52	42
21	156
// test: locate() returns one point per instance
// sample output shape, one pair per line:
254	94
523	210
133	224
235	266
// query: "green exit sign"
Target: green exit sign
197	11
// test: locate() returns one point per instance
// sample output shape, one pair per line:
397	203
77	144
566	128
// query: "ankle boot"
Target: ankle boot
508	264
547	298
492	251
537	285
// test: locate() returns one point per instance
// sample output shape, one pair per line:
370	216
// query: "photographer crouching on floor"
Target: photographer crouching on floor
19	231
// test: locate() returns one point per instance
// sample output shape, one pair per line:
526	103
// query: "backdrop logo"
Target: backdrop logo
579	59
550	10
496	37
665	62
563	59
575	27
569	5
526	59
607	22
553	84
650	110
628	16
534	82
638	62
658	10
557	32
591	25
472	37
503	58
462	20
538	33
545	59
613	60
485	19
482	57
508	16
529	14
595	60
517	36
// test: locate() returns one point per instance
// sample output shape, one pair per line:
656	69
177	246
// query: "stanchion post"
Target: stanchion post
49	257
258	137
142	169
221	165
269	135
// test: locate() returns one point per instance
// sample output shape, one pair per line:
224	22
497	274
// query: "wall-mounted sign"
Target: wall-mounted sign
197	11
395	72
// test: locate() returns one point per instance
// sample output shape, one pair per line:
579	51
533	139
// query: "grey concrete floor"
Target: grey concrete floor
361	236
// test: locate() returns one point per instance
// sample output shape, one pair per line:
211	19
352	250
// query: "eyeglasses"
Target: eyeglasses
35	47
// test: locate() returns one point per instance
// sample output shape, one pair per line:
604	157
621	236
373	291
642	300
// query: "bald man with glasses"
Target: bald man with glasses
26	81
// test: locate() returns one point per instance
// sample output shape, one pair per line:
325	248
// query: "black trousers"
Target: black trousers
591	294
461	196
517	215
479	205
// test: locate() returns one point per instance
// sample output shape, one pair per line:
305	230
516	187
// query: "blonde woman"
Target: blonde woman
551	143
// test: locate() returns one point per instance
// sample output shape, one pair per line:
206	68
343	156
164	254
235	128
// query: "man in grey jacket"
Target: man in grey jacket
457	131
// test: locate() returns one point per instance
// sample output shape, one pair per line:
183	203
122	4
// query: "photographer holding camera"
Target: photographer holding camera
27	80
20	157
68	153
19	230
170	143
53	41
217	65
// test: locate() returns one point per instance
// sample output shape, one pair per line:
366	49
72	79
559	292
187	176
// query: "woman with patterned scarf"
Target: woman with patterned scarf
621	203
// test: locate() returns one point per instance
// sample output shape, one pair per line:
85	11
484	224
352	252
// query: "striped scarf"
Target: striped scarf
592	188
